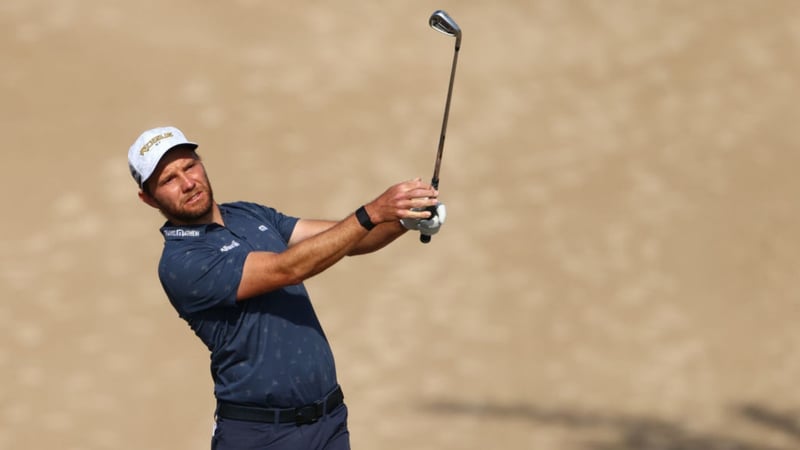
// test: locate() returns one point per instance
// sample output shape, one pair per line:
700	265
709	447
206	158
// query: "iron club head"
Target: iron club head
443	23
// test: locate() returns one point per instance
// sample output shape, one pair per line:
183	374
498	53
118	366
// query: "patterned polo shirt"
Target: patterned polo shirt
268	350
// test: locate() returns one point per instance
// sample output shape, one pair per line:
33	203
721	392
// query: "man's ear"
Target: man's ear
148	199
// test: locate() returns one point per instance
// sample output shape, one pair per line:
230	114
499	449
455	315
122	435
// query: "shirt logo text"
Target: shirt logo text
229	247
180	232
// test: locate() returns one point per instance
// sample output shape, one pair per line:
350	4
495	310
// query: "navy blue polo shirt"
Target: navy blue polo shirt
268	350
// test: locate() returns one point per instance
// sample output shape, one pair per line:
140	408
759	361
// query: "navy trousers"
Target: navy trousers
328	433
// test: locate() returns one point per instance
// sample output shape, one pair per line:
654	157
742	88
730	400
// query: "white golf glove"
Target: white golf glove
427	226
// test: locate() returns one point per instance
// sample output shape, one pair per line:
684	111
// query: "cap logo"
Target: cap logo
154	141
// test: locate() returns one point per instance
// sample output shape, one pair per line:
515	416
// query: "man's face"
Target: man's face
179	187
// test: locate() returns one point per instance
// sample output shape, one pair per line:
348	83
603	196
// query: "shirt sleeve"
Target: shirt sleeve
202	277
283	223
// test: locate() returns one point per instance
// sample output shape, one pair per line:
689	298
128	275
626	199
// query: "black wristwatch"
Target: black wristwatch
363	218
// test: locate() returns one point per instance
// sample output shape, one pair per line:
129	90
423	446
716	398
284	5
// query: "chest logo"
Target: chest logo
229	247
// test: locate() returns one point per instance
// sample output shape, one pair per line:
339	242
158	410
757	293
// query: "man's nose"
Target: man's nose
187	183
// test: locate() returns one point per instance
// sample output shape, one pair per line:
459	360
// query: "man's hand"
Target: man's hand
429	226
406	200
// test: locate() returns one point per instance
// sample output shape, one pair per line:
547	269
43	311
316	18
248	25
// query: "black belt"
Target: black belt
302	415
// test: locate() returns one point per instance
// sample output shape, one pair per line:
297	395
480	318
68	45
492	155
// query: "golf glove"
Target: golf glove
427	226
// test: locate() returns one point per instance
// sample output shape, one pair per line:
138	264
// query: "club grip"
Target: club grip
425	238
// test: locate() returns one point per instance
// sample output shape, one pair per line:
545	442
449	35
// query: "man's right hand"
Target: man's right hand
406	200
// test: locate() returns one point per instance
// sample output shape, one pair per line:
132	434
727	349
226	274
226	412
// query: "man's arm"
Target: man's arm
377	238
316	245
380	236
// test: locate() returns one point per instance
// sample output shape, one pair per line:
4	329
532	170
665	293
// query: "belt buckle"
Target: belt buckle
306	414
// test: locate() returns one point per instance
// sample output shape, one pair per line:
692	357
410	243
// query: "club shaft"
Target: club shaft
440	150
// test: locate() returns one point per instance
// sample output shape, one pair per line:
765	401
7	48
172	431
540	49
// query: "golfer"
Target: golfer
235	272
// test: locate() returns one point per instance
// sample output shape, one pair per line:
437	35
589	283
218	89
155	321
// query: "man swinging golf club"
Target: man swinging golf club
235	271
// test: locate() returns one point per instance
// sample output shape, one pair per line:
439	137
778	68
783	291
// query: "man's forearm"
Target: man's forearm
378	238
321	251
267	271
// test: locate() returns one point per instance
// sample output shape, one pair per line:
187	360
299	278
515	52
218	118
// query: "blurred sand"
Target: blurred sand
618	271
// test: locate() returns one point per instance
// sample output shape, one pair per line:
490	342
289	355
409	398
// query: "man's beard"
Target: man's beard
183	215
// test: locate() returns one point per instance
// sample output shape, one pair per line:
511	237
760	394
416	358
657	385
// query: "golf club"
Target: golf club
443	23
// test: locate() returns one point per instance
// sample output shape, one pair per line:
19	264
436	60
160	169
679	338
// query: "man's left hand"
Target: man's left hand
428	226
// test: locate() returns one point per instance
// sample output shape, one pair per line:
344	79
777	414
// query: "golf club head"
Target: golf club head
443	23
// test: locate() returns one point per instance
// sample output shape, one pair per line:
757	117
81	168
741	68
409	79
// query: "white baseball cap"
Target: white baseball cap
150	147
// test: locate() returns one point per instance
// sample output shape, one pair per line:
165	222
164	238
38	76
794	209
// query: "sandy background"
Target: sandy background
618	270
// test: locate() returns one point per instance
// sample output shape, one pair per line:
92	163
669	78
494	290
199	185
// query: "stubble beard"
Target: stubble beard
193	215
